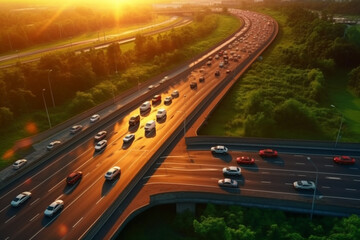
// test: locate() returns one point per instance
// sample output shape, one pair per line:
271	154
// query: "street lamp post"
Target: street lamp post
47	112
51	92
314	195
184	116
341	123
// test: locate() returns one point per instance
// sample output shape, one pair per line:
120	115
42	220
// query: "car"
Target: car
129	138
134	120
94	118
227	182
164	80
219	149
217	73
344	160
193	85
20	199
304	184
175	94
228	71
232	170
208	63
76	128
156	99
54	208
53	144
168	100
145	106
245	160
100	145
100	136
74	177
149	126
221	64
151	87
202	79
19	163
268	153
112	173
161	113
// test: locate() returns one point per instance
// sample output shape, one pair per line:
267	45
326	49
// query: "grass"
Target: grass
18	130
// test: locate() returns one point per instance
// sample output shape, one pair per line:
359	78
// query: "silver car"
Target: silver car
19	163
232	170
53	144
20	199
54	208
112	173
227	182
304	184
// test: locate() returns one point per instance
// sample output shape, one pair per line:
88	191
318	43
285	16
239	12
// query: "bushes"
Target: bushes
354	80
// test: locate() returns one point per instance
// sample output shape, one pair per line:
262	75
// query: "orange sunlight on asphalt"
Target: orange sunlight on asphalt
63	230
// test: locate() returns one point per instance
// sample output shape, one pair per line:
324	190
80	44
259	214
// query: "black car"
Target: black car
193	85
217	73
202	79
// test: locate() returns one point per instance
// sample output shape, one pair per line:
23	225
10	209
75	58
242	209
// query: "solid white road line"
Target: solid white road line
300	163
354	168
99	200
350	189
326	187
301	175
356	180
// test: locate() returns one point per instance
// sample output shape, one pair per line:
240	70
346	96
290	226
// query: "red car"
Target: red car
74	177
245	160
344	160
268	153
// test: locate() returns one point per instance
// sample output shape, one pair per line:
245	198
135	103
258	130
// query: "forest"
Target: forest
284	96
213	222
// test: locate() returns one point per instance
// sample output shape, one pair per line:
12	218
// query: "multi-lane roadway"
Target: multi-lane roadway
87	200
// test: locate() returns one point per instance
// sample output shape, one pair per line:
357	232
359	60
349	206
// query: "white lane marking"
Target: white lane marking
333	178
350	189
354	168
267	182
9	219
5	208
301	175
327	165
34	201
290	184
300	163
34	217
172	156
77	222
356	180
278	162
44	169
99	200
7	238
60	196
326	187
54	186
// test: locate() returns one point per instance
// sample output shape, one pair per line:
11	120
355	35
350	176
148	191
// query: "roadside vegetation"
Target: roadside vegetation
81	81
234	222
288	94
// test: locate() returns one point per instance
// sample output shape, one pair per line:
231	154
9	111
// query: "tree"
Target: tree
6	116
354	80
212	228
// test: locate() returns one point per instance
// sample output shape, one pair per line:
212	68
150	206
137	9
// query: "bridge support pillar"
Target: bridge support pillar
182	207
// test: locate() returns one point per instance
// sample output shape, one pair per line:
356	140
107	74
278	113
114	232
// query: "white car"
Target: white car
145	106
175	94
100	135
53	144
19	163
164	79
54	208
100	145
304	184
20	199
129	138
75	129
94	118
112	173
219	149
161	113
232	170
150	126
227	182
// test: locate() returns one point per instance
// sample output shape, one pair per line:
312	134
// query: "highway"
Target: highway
88	199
